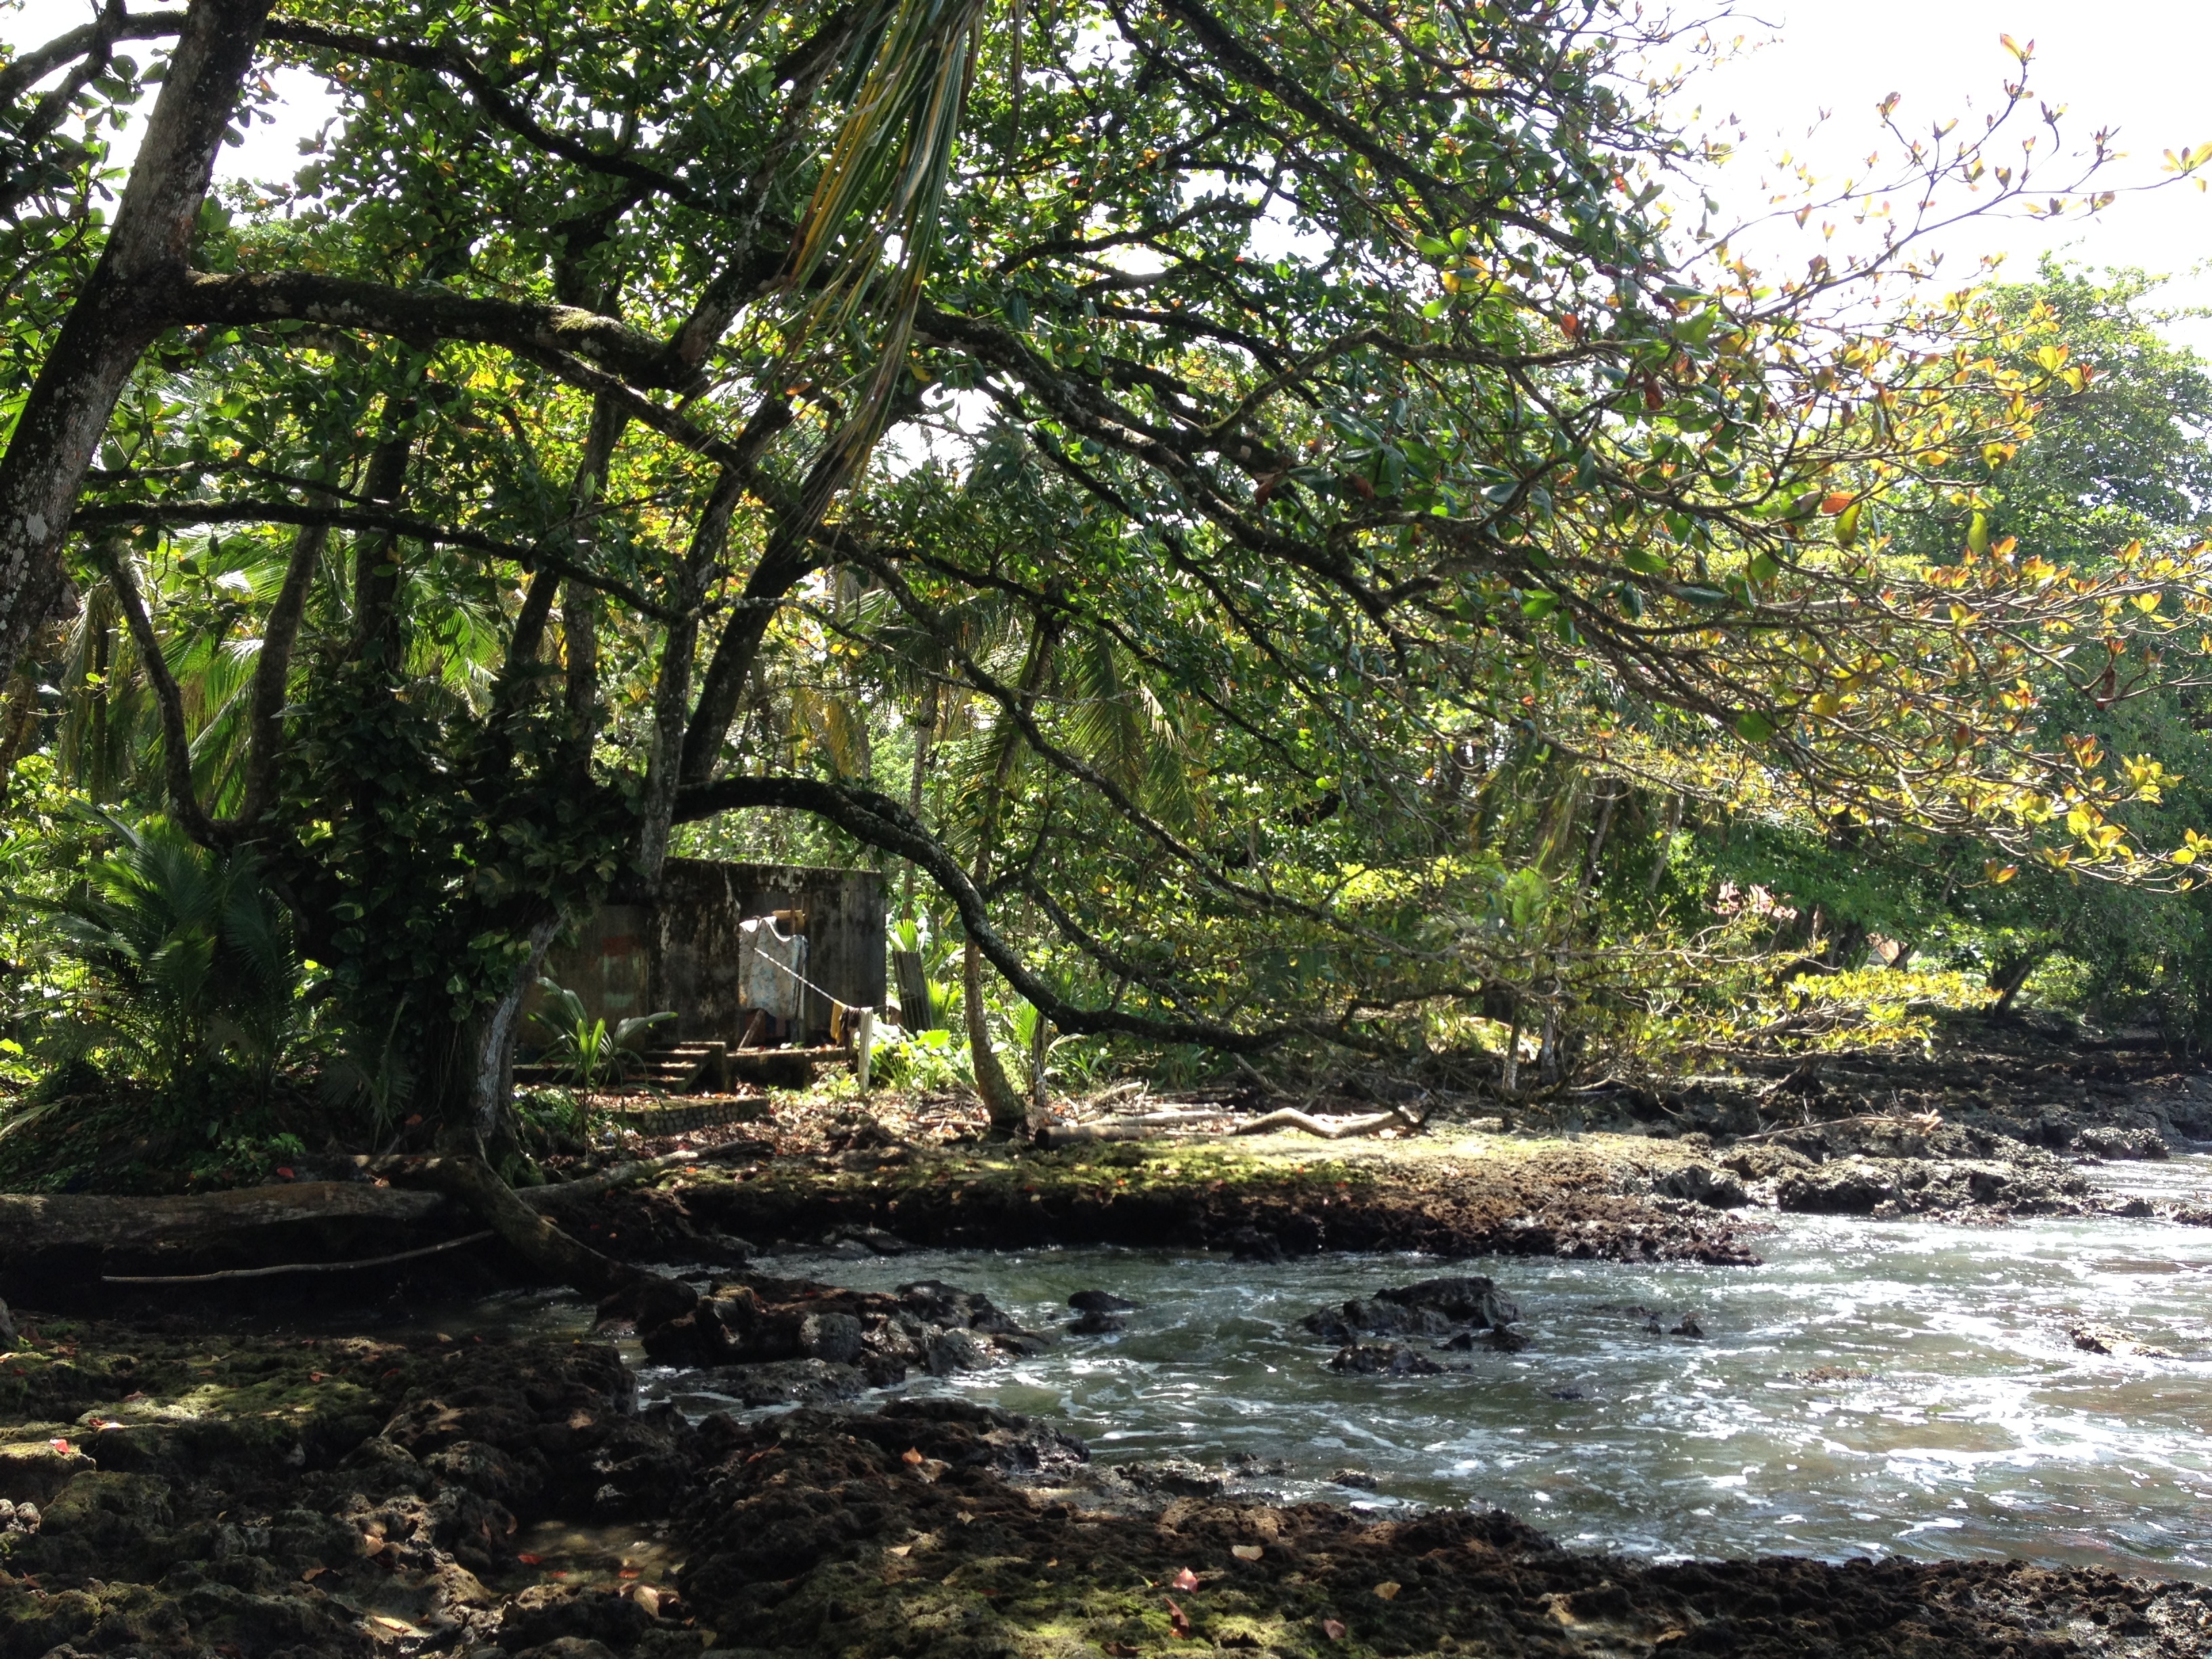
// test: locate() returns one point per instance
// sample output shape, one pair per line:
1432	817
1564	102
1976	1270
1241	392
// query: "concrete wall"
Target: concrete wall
681	953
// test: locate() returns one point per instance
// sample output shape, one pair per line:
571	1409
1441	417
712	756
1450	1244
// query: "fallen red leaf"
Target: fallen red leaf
629	1572
1178	1620
1332	1629
530	1560
911	1455
1184	1580
61	1446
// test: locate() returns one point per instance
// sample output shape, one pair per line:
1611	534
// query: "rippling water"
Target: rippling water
1980	1430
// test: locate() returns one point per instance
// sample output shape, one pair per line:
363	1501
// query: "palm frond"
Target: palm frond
883	182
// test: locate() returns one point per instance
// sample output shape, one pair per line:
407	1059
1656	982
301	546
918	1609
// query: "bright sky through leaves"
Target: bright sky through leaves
2133	65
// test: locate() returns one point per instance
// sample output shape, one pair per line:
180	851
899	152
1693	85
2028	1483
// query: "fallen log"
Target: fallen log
33	1222
1135	1126
1327	1129
49	1242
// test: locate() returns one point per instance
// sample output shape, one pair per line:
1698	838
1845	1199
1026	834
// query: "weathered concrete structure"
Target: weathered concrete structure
637	957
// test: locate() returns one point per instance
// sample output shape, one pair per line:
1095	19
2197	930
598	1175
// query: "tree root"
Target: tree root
638	1293
294	1266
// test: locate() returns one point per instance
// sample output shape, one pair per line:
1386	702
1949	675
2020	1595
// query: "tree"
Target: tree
1324	382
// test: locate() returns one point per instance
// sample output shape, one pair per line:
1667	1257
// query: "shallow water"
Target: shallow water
1981	1430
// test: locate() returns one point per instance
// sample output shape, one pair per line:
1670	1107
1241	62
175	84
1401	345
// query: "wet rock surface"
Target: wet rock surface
1434	1307
229	1497
764	1339
820	1535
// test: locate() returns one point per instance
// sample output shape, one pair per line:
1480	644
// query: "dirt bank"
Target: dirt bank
223	1495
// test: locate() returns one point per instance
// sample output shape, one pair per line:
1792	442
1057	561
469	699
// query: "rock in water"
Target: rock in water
2102	1339
1383	1359
1099	1301
1096	1324
1441	1307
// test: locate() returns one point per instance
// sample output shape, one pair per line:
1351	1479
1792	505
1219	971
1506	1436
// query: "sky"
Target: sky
1815	71
1808	83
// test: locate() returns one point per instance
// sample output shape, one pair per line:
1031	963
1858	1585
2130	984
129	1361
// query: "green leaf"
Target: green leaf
1753	727
1978	534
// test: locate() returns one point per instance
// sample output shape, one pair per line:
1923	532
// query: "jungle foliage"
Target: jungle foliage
1258	515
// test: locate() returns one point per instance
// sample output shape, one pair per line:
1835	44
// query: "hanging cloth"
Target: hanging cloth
771	968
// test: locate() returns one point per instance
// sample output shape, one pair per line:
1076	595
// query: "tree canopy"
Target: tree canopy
1243	499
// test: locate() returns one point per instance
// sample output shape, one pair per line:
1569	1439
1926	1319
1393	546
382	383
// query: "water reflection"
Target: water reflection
1901	1386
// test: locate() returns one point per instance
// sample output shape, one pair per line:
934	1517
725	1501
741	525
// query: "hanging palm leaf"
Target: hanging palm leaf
884	181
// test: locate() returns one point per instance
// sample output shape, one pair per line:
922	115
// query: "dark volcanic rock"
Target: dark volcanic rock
2102	1140
1700	1183
1383	1359
1099	1301
1434	1308
877	1336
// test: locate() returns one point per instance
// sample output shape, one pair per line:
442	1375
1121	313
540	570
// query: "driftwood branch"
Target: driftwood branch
1329	1128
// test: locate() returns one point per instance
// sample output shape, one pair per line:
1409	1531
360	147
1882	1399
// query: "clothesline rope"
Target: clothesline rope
785	968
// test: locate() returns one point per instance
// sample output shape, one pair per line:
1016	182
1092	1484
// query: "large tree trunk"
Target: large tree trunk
123	306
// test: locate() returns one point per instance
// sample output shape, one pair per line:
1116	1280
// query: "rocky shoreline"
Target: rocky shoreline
234	1496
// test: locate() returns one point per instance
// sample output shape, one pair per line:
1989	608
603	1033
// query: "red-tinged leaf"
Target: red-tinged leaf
631	1572
1178	1620
314	1376
283	1173
530	1560
61	1446
1184	1580
911	1455
1332	1629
